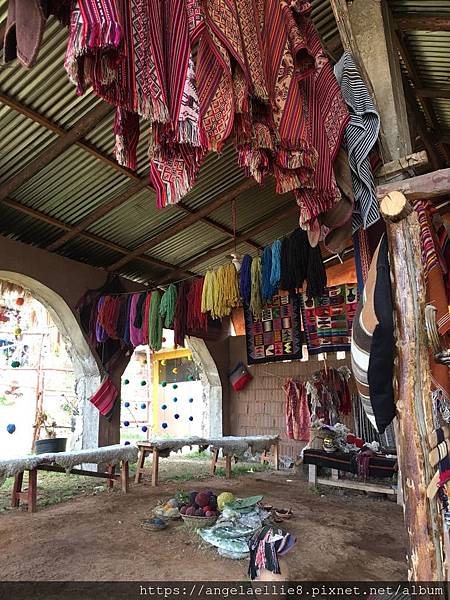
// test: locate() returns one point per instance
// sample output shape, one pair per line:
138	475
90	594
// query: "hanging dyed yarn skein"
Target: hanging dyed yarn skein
255	299
155	324
167	306
246	279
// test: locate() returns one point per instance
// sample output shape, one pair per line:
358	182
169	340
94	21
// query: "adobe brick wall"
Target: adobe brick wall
259	408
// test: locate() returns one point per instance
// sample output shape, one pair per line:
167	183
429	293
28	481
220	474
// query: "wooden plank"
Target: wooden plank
430	185
411	21
433	92
412	390
32	490
124	476
186	222
418	159
155	467
356	485
56	148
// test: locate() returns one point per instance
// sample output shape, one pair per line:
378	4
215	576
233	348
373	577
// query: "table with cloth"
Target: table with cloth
380	467
231	447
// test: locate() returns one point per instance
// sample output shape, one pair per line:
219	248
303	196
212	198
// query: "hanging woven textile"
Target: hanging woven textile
246	279
180	320
167	306
155	323
266	545
105	398
255	299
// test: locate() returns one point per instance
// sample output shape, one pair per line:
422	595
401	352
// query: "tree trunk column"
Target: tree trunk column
412	390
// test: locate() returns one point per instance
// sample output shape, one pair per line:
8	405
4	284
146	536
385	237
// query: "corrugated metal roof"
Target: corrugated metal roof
78	182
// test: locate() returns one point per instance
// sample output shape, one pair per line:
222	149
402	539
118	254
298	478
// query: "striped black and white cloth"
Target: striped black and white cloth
360	136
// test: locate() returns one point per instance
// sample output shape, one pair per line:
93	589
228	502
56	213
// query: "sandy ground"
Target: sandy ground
340	536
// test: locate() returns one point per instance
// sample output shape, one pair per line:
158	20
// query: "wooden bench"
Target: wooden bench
217	444
109	455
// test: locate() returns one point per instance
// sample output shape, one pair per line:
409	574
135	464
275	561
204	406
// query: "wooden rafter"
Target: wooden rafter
56	148
40	216
410	21
430	185
93	151
184	223
413	75
267	222
433	92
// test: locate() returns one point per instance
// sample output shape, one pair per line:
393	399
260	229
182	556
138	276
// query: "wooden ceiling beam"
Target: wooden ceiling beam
56	148
39	216
93	151
433	92
186	222
410	21
430	185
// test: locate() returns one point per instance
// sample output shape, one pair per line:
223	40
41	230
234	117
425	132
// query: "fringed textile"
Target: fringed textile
167	306
361	135
155	323
246	279
105	398
298	418
255	299
265	546
126	131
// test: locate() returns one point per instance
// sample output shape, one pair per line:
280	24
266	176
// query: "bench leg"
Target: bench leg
140	466
276	456
111	470
124	475
335	474
312	474
214	459
32	490
228	458
155	467
17	488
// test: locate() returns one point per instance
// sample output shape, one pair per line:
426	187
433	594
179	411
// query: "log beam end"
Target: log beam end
394	207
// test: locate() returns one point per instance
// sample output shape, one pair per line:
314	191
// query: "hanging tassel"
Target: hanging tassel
255	300
275	274
246	279
155	324
167	306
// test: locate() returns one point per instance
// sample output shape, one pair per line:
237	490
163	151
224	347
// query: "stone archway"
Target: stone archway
211	387
87	373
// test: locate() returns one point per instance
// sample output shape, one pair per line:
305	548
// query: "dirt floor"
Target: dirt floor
98	537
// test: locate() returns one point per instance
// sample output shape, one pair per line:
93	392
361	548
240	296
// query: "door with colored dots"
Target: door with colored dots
177	395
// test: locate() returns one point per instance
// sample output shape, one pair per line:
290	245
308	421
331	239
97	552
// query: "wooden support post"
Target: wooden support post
228	458
155	466
124	476
412	390
110	469
276	455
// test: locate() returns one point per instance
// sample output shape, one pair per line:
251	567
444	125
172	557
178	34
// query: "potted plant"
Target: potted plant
50	443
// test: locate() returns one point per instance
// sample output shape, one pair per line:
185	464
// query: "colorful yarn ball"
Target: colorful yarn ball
163	340
177	416
20	301
191	418
175	370
126	423
163	384
190	378
17	331
164	425
126	381
15	364
191	400
174	386
144	428
175	399
126	404
163	362
11	428
127	443
164	406
143	405
143	382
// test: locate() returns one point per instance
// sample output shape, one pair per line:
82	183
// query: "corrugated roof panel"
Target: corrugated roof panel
71	186
90	252
20	140
420	6
188	243
136	221
16	225
221	259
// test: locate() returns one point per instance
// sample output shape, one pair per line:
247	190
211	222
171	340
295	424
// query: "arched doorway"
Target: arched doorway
86	372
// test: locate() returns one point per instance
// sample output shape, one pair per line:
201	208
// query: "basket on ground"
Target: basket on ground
198	522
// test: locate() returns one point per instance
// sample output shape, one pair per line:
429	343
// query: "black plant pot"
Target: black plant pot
50	445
